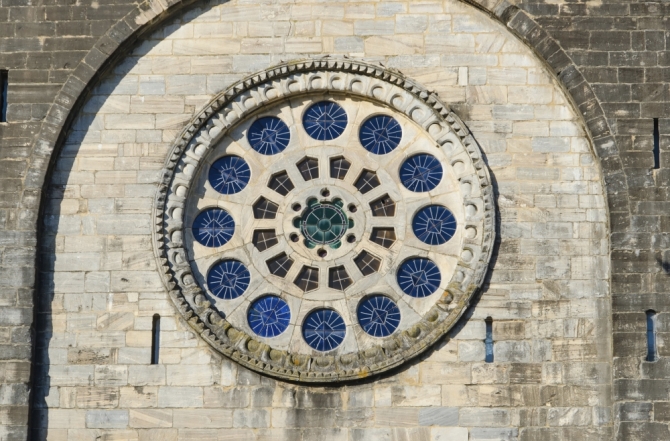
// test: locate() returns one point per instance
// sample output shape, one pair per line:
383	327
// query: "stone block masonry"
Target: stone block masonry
612	60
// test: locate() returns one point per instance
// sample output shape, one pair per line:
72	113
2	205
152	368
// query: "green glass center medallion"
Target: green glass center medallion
324	223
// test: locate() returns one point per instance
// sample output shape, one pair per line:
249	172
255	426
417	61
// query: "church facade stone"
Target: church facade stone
559	110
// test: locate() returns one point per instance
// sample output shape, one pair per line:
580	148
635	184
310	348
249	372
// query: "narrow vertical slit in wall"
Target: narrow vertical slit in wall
651	336
155	338
488	341
4	87
657	145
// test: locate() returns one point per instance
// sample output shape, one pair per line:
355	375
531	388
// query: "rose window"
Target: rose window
321	234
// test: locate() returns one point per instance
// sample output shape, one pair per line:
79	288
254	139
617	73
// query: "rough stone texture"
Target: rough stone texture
611	56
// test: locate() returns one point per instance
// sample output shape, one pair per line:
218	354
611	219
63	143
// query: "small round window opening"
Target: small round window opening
322	226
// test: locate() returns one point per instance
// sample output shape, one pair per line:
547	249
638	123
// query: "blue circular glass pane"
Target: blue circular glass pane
380	134
379	316
268	135
229	175
324	329
421	173
434	225
324	121
213	227
269	316
228	279
419	277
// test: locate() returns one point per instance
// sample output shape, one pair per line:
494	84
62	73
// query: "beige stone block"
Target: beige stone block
241	13
111	375
337	28
486	95
203	418
426	7
206	46
108	104
147	375
211	64
129	121
179	396
67	419
374	27
97	397
262	45
189	375
449	434
149	418
397	417
132	397
304	45
394	45
136	281
212	30
157	105
138	339
445	373
460	395
81	322
72	375
101	191
171	122
95	163
415	396
77	262
529	94
160	435
265	29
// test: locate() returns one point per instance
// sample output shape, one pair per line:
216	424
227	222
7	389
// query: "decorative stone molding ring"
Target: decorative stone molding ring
324	220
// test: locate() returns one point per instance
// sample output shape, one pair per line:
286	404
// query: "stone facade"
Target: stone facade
576	197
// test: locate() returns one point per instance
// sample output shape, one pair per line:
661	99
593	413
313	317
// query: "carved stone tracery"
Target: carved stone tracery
353	78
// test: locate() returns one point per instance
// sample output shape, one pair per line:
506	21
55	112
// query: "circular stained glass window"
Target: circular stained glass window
213	227
421	173
229	175
325	120
419	277
228	279
434	225
269	135
378	315
269	316
324	329
380	134
318	225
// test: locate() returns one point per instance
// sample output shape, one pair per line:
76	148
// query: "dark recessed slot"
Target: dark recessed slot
651	336
155	338
657	145
4	88
488	341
